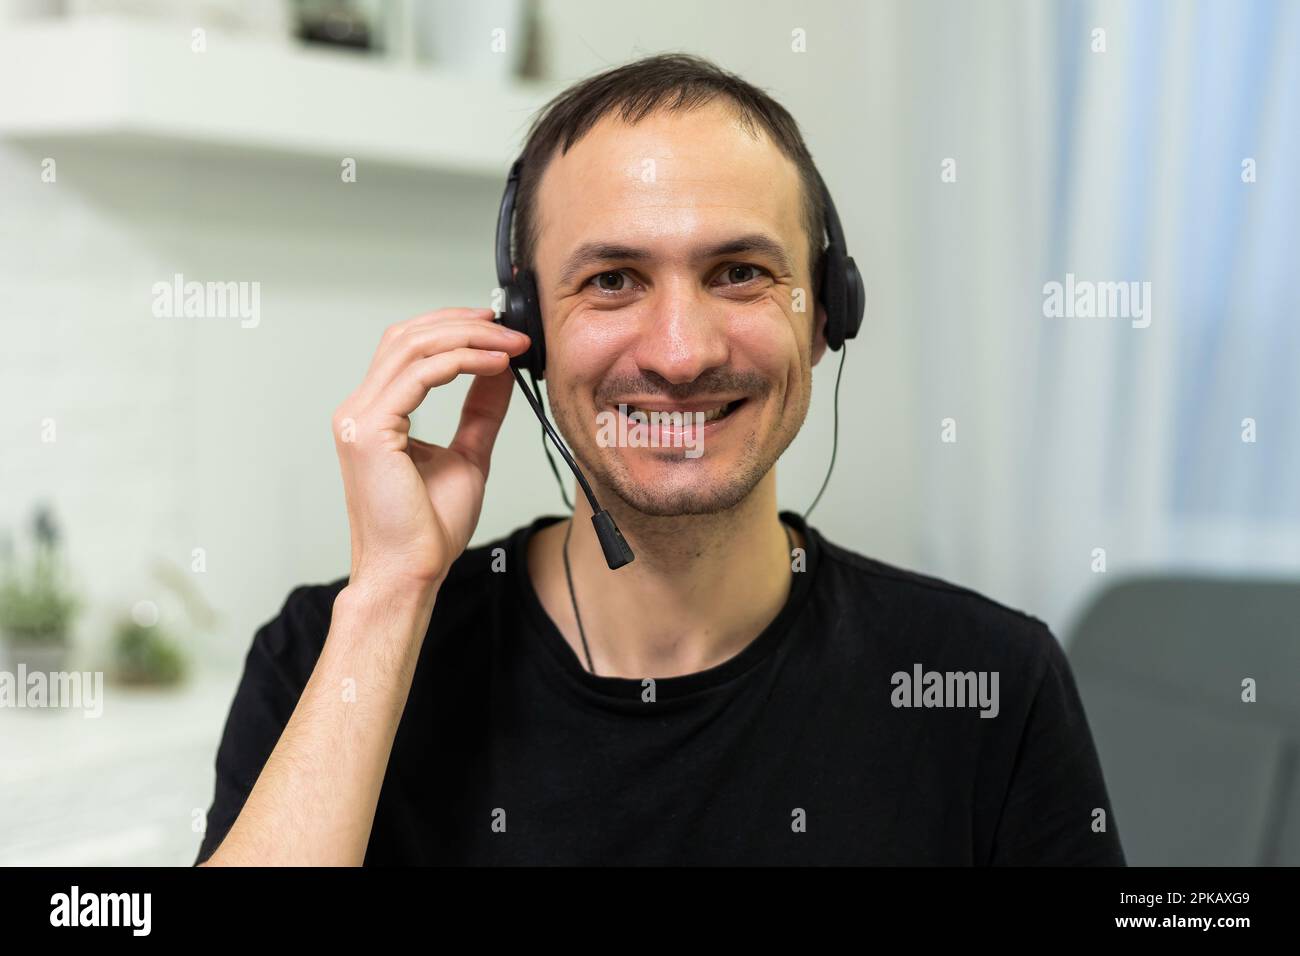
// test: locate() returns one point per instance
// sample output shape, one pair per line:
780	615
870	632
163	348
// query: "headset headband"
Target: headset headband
505	223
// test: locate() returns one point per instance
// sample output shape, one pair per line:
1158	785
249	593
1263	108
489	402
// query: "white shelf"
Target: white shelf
107	79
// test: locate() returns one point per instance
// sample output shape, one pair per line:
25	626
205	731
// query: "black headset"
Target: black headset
840	290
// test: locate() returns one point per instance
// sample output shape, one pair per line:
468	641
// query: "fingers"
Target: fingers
423	353
480	419
410	387
398	329
453	313
426	340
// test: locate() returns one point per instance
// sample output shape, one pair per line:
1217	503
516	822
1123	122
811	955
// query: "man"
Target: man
744	691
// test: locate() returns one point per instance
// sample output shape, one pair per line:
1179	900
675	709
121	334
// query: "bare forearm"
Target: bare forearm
314	802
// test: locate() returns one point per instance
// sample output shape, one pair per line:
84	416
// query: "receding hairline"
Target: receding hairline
756	134
632	113
663	84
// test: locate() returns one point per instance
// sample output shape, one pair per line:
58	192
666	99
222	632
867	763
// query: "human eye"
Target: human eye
612	282
739	274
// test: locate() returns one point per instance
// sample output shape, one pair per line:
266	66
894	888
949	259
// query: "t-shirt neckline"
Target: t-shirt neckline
667	689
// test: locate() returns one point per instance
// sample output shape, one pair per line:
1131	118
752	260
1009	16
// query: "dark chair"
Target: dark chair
1196	776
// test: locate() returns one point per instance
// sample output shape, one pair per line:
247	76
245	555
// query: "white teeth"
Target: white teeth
711	415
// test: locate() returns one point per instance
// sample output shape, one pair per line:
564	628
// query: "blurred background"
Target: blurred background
165	481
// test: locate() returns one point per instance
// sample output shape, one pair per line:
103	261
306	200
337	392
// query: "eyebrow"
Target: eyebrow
592	253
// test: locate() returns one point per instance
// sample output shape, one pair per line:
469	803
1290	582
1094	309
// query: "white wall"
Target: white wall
174	434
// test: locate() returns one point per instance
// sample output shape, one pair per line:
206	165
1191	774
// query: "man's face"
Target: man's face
672	268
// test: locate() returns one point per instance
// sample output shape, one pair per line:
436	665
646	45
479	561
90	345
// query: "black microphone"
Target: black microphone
612	543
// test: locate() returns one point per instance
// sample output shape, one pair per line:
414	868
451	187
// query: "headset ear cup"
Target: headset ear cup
511	311
515	318
530	323
857	299
834	295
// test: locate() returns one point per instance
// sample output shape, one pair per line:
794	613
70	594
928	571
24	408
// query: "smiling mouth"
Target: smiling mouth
686	415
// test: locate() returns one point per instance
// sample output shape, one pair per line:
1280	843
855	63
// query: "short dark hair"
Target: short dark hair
672	82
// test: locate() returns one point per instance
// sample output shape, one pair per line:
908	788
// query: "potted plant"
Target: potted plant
145	655
36	605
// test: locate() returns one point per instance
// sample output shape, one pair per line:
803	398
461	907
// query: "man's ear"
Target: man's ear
819	333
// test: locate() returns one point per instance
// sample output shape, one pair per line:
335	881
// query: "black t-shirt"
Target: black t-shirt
797	750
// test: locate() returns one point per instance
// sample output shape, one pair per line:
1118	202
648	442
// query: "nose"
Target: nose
683	334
